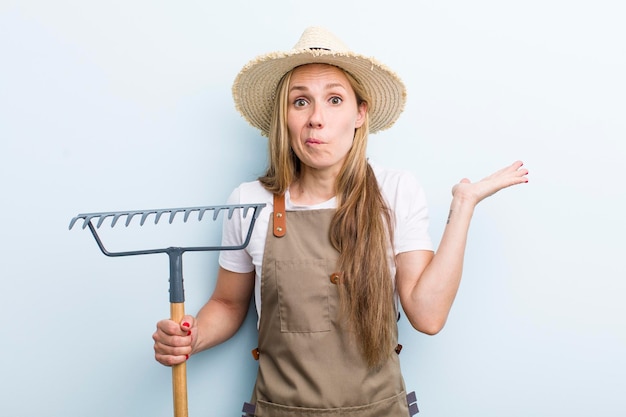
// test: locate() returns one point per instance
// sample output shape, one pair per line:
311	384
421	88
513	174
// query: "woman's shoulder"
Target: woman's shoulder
250	193
390	179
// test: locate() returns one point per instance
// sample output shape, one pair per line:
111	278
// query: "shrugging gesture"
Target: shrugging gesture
428	283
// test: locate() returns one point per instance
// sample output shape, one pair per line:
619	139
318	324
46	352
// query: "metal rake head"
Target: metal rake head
158	213
99	218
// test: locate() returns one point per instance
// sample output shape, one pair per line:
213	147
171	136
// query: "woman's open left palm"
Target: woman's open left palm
511	175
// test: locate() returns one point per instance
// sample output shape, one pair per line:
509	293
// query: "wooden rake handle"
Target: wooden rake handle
179	372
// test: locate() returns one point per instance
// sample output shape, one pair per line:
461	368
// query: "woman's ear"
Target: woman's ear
361	113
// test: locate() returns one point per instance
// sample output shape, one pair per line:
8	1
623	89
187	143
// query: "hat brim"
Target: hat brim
254	89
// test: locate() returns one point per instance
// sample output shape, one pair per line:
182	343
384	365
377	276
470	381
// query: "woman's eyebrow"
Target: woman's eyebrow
335	85
328	86
298	88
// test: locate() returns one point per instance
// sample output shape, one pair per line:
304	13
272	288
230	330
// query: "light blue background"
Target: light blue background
122	105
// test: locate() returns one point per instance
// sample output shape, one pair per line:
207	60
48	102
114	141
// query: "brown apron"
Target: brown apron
309	365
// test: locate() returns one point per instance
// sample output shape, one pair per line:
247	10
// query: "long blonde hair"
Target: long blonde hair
361	229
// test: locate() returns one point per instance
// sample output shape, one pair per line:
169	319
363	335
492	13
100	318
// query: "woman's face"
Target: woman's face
322	115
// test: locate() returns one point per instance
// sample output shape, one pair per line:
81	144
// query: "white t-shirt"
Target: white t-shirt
402	192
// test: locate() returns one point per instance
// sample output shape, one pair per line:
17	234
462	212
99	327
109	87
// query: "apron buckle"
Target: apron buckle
248	409
411	399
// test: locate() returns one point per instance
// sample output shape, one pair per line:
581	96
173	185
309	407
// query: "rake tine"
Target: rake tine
230	212
130	216
158	213
100	221
216	212
116	217
72	222
84	218
145	216
245	211
201	213
187	213
85	221
173	214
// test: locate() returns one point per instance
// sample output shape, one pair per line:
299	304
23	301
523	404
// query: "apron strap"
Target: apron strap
280	219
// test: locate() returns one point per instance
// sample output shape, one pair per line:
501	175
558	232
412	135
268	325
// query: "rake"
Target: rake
177	292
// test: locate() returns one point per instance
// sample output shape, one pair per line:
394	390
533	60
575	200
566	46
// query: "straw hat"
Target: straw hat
254	88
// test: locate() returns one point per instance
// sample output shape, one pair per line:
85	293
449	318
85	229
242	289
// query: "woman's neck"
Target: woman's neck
312	188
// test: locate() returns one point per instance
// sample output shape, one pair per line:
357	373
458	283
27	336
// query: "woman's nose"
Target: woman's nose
316	118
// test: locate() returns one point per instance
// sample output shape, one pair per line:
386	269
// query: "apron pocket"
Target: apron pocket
303	289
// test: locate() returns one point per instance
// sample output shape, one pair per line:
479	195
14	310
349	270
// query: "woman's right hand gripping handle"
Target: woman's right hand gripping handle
173	342
219	319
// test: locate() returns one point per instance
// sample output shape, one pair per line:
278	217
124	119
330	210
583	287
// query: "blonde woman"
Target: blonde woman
339	243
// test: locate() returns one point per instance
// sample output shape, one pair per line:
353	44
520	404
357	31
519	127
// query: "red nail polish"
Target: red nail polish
186	357
189	333
185	324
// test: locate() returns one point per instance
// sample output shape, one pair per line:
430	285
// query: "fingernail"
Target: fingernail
189	333
185	324
186	357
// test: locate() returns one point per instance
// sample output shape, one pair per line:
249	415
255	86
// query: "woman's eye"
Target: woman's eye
299	102
336	100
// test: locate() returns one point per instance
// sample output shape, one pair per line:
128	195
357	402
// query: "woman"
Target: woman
339	243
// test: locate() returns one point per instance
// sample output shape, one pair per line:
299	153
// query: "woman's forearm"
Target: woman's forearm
220	318
433	289
428	284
